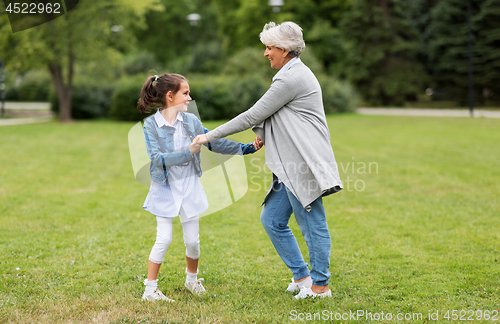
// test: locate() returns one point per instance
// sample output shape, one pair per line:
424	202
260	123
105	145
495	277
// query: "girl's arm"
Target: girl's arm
168	159
228	147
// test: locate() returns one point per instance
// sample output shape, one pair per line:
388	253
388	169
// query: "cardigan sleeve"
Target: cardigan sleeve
281	92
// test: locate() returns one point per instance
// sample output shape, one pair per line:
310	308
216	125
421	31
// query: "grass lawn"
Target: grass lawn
415	231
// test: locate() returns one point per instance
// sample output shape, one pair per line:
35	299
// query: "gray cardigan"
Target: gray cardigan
290	120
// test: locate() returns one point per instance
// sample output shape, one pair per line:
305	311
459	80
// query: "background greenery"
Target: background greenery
416	232
379	53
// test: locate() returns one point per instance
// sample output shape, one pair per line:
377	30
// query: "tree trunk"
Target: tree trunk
64	92
64	89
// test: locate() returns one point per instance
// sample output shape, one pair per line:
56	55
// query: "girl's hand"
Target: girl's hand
258	143
194	147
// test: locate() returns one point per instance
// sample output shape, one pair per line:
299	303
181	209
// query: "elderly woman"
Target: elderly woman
290	121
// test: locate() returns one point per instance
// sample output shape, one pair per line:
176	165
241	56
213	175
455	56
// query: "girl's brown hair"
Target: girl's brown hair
153	93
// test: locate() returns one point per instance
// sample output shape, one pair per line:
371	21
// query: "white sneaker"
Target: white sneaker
296	286
156	295
306	292
196	287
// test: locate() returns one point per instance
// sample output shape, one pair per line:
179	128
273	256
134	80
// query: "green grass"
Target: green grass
417	233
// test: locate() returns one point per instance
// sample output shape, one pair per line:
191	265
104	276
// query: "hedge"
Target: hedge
88	101
125	97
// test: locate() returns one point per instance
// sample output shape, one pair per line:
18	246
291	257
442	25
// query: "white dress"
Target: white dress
183	193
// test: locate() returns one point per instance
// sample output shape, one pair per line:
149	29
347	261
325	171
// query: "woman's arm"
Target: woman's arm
228	147
281	92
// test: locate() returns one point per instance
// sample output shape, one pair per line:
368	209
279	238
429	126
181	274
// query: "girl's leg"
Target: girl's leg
192	265
163	240
192	242
191	230
153	270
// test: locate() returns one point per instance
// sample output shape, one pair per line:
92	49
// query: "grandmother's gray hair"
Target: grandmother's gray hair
287	36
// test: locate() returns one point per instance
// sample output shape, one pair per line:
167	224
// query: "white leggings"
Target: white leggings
164	238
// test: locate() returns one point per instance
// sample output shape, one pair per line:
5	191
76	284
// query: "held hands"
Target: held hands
200	139
194	147
258	143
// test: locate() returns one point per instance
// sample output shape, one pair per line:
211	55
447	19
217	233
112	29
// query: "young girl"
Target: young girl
175	169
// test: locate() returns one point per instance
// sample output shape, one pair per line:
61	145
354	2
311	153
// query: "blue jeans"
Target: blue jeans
275	217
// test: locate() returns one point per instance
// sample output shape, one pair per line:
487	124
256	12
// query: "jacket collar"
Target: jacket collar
287	66
160	120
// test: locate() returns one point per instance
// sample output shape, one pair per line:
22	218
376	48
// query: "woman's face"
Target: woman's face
181	98
276	56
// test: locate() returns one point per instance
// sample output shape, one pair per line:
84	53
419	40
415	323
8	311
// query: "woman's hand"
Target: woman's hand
258	143
200	139
194	147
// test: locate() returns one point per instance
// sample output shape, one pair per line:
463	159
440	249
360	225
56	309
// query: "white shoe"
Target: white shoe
296	286
306	292
156	295
196	287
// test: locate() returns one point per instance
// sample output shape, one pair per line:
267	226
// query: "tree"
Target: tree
240	23
176	44
92	31
446	47
380	49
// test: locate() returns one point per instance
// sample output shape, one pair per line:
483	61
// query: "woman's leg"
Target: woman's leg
275	217
314	228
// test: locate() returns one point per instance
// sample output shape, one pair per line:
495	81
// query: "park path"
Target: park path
26	113
428	112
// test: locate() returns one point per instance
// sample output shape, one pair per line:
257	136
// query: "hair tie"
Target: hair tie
156	77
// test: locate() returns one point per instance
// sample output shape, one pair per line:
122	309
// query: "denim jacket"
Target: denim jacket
160	146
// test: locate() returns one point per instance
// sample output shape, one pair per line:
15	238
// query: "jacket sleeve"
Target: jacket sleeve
163	160
228	147
281	92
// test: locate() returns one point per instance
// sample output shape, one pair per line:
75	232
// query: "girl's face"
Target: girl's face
181	98
276	56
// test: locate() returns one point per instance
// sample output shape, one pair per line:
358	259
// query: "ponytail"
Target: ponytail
155	89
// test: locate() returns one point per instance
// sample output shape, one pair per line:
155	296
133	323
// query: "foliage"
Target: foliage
338	96
84	34
420	234
240	22
139	62
446	43
389	50
177	44
380	50
223	97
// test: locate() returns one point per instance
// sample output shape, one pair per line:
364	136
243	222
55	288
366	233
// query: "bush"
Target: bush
249	61
139	62
36	85
125	98
88	101
224	97
338	96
